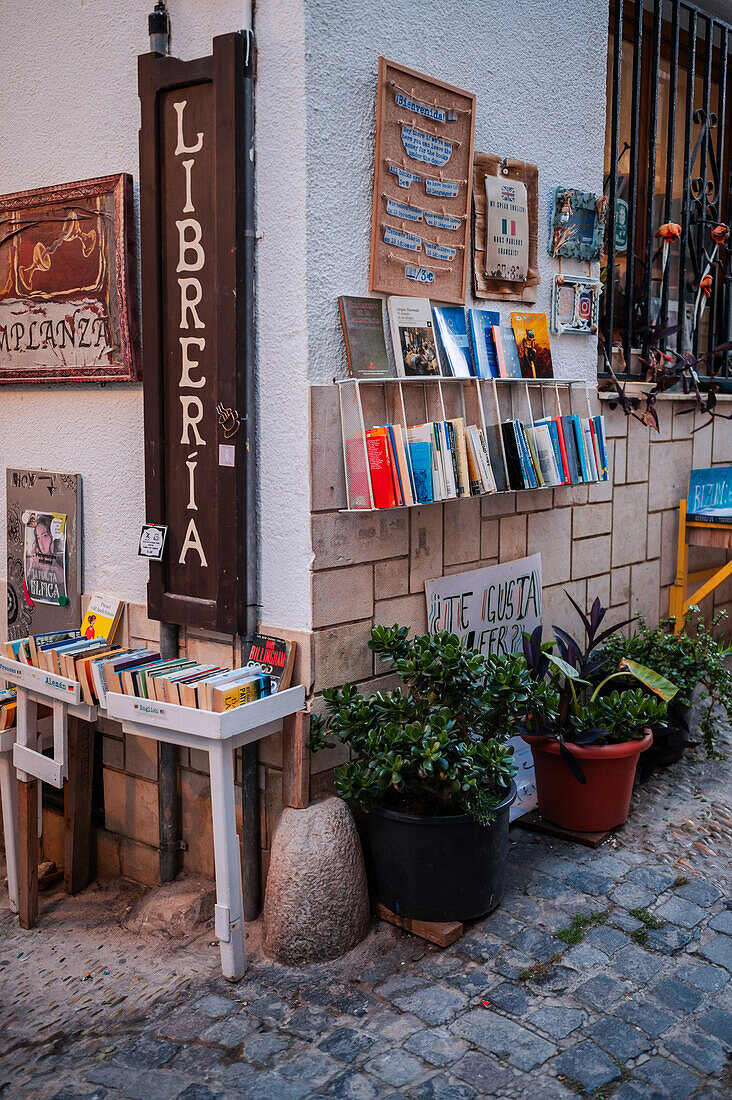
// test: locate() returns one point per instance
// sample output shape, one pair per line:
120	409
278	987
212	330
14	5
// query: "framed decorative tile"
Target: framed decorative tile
577	224
575	303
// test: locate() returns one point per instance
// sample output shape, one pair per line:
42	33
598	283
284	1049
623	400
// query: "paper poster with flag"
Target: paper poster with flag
507	229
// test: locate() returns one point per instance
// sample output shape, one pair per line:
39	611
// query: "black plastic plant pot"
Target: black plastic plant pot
438	868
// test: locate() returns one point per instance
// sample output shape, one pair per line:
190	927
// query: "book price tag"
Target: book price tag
152	541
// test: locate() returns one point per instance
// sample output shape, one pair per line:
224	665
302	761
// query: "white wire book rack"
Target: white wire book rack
486	402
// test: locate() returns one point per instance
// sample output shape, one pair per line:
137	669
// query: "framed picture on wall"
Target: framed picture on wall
68	300
578	224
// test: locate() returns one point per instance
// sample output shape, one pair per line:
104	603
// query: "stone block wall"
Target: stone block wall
616	540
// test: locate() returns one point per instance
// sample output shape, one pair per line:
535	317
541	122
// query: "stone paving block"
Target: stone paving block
635	963
395	1066
473	984
584	957
718	1023
537	945
311	1067
401	983
272	1007
722	922
657	879
511	964
478	947
558	866
700	891
341	998
262	1047
485	1074
718	950
501	924
436	1046
681	911
619	1039
117	1077
636	1091
162	1084
356	1086
676	995
654	1021
309	1023
669	939
591	882
346	1043
396	1026
214	1006
503	1037
197	1091
606	939
588	1064
200	1062
544	887
671	1080
145	1053
435	1005
510	998
619	918
441	1087
557	1022
698	1050
602	991
707	978
271	1086
631	895
231	1032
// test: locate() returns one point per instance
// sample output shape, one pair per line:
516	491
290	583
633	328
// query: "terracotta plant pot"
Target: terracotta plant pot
599	804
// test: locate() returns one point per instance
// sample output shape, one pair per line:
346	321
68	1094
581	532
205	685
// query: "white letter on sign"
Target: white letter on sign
189	364
192	542
189	421
189	302
181	147
192	245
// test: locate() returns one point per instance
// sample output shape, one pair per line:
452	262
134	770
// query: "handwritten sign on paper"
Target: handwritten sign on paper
490	609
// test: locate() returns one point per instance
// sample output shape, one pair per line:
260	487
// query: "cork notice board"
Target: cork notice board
422	181
528	174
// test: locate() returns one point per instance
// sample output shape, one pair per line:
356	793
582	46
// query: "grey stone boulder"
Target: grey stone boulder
316	906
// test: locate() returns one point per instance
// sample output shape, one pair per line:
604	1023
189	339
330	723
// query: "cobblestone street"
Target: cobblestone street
602	973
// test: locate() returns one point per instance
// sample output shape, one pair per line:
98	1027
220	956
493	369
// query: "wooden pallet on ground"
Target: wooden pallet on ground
535	823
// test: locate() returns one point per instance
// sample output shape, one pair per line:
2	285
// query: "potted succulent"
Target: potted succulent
431	770
695	657
585	757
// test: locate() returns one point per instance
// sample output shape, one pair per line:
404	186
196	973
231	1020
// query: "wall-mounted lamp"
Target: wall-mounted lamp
158	28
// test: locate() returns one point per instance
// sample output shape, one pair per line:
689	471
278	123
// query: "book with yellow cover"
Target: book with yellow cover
228	698
102	616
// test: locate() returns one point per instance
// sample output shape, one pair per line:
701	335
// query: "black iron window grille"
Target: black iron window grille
668	162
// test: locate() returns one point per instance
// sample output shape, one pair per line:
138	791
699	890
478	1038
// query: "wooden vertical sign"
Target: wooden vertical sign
195	313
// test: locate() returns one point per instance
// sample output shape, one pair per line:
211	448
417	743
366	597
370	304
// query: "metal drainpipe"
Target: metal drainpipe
252	883
169	829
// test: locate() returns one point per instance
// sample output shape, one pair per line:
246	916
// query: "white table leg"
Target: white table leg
229	903
9	797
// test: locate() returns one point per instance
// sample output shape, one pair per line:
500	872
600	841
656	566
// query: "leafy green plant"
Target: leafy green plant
575	932
590	712
696	655
438	746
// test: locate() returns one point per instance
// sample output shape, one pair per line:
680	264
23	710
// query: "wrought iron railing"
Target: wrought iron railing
668	161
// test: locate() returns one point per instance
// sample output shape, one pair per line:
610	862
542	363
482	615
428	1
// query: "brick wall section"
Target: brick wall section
615	540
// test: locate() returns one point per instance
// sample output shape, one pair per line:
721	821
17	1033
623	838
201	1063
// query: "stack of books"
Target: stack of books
101	667
7	709
559	450
439	460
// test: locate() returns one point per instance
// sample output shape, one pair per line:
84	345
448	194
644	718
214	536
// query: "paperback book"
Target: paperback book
363	332
413	337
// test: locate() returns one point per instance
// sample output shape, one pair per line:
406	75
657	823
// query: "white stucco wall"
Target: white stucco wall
69	110
538	71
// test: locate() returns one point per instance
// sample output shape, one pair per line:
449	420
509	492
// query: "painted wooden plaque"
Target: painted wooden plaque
422	183
43	552
68	301
495	221
194	316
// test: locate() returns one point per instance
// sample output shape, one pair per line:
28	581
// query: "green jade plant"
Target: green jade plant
439	746
590	712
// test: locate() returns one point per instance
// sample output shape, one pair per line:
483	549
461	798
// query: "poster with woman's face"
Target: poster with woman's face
45	557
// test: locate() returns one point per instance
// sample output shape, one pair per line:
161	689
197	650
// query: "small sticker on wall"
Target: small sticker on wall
152	541
227	454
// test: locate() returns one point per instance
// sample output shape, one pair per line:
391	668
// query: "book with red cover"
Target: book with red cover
563	449
382	472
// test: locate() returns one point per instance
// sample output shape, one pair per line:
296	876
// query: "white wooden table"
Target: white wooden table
219	735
